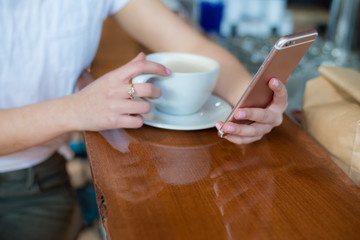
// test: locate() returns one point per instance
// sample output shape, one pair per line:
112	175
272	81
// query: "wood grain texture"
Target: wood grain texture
162	184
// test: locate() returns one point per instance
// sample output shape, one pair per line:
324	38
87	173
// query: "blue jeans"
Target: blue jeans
37	202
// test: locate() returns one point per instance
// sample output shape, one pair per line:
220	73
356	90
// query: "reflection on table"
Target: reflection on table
162	184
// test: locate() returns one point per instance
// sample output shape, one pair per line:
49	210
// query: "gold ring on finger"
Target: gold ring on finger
131	91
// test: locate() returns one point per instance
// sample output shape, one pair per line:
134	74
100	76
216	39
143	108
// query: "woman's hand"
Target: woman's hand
106	103
264	119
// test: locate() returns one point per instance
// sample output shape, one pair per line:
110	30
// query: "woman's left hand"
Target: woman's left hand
265	119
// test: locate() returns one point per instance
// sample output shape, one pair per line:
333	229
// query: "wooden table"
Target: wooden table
163	184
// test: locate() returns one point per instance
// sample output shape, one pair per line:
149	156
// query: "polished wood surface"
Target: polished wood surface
154	183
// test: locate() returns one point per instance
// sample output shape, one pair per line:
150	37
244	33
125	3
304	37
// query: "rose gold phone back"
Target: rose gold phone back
280	63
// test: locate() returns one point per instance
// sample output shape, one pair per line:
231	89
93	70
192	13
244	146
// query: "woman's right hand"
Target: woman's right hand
106	103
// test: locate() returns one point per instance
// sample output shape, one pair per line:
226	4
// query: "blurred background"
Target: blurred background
249	29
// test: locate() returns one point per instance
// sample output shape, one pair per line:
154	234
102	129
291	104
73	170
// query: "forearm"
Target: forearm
104	104
31	125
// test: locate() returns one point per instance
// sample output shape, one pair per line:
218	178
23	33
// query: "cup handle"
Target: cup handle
143	78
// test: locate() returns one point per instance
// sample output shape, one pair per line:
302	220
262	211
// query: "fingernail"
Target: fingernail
241	114
230	129
168	71
275	82
218	125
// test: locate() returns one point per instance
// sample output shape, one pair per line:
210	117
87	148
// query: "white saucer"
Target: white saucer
215	109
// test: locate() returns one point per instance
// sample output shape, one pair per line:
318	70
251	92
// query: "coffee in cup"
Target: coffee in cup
189	86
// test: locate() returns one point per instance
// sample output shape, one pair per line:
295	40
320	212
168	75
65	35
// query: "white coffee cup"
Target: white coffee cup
189	86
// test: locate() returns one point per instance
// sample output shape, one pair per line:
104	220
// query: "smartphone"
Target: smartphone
280	63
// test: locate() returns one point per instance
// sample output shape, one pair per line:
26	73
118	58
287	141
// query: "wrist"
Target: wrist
69	116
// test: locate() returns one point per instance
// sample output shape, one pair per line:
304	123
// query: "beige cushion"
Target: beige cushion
331	115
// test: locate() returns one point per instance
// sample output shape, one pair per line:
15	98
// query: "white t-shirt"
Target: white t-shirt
44	46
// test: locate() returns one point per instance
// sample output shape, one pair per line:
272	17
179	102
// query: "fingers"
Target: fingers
129	121
264	119
135	107
140	90
124	115
108	98
245	130
139	66
280	94
140	56
273	113
260	115
242	140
